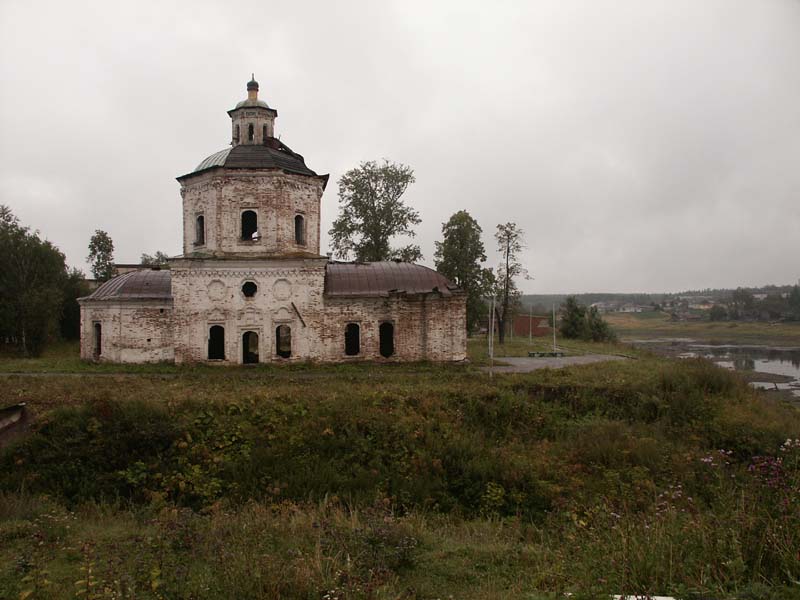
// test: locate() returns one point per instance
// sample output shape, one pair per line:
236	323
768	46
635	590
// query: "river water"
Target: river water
766	367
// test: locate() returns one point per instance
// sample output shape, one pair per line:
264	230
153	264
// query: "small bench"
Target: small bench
545	354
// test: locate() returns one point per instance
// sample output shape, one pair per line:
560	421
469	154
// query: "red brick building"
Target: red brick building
535	325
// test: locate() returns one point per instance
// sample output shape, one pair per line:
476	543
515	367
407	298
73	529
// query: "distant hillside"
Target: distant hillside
547	300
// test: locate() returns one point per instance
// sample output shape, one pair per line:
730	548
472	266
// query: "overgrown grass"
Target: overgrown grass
478	348
427	482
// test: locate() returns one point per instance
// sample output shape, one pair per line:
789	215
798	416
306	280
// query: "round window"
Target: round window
249	289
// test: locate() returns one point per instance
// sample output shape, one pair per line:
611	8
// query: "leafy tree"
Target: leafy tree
794	302
74	287
510	242
597	329
32	275
717	313
459	256
578	322
372	212
159	258
573	319
743	299
101	255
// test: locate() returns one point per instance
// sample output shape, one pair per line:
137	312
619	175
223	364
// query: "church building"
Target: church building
251	285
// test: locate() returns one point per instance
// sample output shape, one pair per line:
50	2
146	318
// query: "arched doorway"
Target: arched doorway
352	339
250	348
386	333
216	343
283	341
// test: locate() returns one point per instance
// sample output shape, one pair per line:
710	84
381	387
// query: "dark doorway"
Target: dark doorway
250	348
283	341
216	343
352	339
98	340
386	332
249	224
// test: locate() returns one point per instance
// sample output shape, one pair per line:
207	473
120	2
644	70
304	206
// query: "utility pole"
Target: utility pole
491	339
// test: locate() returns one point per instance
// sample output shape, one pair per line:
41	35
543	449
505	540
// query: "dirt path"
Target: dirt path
522	364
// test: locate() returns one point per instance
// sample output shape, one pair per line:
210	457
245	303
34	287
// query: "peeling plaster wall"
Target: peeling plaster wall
133	331
207	293
222	195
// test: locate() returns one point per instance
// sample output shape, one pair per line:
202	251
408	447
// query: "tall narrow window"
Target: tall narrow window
236	135
216	343
264	134
251	134
299	230
250	347
249	224
386	333
352	339
283	341
200	231
97	350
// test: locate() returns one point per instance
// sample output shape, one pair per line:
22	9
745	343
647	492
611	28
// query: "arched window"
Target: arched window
236	135
97	350
249	224
251	134
283	341
352	339
299	230
250	347
200	230
216	343
249	289
386	333
264	134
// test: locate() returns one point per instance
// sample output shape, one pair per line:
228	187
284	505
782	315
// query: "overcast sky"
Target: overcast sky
642	145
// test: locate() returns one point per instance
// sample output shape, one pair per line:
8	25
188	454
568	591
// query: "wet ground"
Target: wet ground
765	367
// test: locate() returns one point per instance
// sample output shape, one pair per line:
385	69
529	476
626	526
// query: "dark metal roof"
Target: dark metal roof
253	104
380	279
143	284
273	155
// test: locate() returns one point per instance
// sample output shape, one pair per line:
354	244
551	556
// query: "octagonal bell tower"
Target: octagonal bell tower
256	198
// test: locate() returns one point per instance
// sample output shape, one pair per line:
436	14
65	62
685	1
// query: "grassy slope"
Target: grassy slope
657	325
402	482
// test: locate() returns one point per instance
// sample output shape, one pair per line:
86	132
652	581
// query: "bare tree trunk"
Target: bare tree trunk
506	285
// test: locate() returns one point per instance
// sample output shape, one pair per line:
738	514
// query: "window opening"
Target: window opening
98	340
352	339
250	133
299	230
283	341
250	348
200	231
249	224
249	289
386	333
216	343
264	134
236	135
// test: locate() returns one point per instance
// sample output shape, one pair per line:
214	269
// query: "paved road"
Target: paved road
523	364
